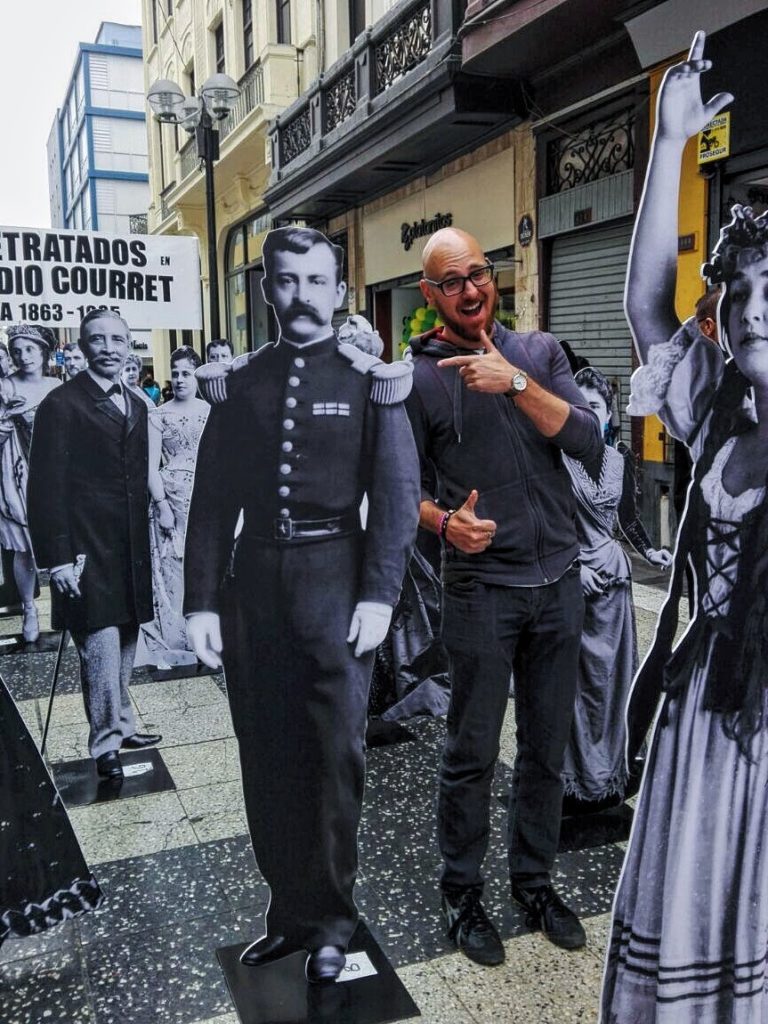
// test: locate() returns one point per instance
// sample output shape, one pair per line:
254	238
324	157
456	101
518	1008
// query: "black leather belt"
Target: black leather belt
297	529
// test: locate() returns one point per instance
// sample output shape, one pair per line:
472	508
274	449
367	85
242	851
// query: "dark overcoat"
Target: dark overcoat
87	495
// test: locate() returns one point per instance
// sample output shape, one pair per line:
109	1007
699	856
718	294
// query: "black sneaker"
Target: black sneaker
469	927
545	910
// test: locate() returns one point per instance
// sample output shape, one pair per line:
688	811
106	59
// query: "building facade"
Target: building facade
97	146
271	51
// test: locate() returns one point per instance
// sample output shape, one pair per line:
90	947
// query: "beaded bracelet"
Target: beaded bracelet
444	522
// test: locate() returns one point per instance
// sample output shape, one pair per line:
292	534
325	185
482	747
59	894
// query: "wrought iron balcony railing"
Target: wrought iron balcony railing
380	58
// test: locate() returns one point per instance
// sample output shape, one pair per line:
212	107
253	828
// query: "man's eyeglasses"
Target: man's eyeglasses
456	285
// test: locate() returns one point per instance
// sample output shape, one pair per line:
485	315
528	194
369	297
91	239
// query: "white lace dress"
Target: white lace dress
690	923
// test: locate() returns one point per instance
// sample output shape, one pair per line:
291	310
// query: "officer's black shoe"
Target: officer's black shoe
139	740
108	765
325	964
469	927
545	910
268	949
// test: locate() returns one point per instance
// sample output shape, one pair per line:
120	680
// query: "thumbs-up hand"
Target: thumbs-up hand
468	533
486	370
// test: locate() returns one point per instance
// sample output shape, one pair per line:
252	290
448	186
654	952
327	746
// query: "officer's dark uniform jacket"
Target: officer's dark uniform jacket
300	440
470	439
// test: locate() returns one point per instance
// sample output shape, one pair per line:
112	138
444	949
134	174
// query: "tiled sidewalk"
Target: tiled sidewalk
180	878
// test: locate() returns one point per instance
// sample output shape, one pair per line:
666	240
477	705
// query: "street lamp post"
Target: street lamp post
199	115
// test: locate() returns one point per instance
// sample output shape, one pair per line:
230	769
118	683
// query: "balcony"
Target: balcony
251	96
393	104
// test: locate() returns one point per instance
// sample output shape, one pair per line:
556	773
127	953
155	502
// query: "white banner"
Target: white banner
55	276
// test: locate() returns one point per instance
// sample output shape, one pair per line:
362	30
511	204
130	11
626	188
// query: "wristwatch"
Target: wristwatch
519	384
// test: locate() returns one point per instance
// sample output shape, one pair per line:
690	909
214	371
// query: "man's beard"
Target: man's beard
459	328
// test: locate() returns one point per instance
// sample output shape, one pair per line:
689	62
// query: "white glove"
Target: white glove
369	625
659	557
204	633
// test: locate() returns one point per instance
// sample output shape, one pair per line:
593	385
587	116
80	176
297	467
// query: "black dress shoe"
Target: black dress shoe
545	910
469	927
141	739
268	949
108	765
325	964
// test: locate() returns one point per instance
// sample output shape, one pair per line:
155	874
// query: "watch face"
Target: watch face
520	381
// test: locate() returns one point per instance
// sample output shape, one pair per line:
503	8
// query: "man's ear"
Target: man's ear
425	290
341	291
266	290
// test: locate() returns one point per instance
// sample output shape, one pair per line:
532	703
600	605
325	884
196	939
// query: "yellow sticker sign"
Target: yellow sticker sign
715	140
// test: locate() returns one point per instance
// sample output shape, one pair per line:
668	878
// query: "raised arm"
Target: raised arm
652	273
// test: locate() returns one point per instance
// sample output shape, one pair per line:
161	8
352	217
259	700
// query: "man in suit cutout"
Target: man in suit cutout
309	426
87	504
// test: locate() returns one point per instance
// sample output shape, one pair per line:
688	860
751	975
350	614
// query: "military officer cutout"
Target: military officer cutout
297	605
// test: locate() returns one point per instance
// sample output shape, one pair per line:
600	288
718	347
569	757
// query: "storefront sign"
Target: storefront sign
715	140
57	276
421	228
525	230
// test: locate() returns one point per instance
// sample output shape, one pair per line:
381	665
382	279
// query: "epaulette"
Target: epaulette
213	378
390	382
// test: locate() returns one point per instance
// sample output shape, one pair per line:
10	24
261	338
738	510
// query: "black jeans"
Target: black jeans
488	632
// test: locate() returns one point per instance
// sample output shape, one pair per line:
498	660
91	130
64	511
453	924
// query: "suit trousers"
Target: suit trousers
489	631
299	700
106	663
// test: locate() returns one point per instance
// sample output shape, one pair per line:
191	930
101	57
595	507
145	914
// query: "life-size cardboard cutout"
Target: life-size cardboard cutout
43	877
87	499
21	392
691	912
595	773
296	606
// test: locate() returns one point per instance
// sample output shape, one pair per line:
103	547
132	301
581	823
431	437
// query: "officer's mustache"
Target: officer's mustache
300	309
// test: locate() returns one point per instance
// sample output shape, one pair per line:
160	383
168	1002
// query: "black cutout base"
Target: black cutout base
383	734
163	675
15	643
586	831
79	783
279	993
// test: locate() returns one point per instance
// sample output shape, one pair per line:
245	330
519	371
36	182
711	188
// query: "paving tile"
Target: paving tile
201	764
158	889
63	936
537	984
28	675
215	812
438	1001
50	989
231	860
192	725
227	1018
178	695
132	828
165	974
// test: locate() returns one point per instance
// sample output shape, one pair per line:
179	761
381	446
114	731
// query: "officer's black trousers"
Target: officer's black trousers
299	700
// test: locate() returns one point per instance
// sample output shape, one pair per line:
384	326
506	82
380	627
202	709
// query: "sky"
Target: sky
38	46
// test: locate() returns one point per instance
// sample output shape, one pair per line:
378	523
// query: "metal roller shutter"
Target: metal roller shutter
586	303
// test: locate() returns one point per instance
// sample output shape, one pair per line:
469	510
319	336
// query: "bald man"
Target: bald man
492	411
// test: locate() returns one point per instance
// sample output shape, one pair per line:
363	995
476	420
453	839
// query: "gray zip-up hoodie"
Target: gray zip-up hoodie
469	439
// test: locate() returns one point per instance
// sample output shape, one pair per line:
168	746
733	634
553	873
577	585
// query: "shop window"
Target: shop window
248	33
283	21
